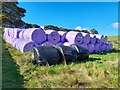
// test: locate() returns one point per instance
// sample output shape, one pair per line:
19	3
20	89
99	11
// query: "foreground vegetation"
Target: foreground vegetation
99	71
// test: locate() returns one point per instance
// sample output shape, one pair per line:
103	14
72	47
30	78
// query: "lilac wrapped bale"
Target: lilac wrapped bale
16	32
21	34
67	44
34	34
60	44
11	32
109	47
86	38
74	37
6	32
103	47
9	39
97	48
15	42
99	38
105	39
92	39
46	43
25	45
52	36
84	45
91	48
62	36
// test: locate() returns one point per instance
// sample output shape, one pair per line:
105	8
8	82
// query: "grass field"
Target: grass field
99	71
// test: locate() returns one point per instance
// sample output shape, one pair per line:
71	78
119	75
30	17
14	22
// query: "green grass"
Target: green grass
99	71
113	38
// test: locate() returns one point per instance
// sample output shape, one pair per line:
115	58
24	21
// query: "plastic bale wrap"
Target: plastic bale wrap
91	48
25	45
16	32
62	36
74	37
97	48
86	38
103	47
99	38
46	43
52	36
82	53
109	47
92	39
67	44
84	45
35	34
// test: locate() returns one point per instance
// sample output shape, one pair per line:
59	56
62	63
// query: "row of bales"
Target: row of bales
25	39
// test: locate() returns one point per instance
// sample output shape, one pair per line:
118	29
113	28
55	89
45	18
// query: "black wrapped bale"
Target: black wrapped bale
68	53
44	55
82	53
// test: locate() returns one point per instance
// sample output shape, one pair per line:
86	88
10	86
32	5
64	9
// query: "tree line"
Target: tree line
12	16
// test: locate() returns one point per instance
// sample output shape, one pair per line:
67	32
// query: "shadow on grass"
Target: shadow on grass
11	77
89	59
112	51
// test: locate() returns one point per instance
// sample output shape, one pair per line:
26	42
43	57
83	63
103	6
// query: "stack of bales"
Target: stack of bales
93	42
25	39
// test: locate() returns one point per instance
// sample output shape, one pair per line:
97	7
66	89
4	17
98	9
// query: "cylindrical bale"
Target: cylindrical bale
99	38
46	55
35	34
84	45
109	47
16	32
92	39
25	45
97	48
67	44
9	39
86	38
103	47
46	43
62	36
105	39
82	53
68	53
6	31
15	42
60	44
74	37
11	32
91	48
52	36
21	34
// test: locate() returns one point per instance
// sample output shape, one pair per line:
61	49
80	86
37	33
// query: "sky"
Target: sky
103	16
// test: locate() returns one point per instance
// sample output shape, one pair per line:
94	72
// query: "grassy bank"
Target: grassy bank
99	71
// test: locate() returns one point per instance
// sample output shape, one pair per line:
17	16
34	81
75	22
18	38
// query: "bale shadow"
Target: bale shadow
11	77
87	60
112	51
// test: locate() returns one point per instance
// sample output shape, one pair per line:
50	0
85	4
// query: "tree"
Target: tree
93	31
12	15
85	31
49	27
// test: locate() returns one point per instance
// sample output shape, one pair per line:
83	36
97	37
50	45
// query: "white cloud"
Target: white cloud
116	25
80	28
42	27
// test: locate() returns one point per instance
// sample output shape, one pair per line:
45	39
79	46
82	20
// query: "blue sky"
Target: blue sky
102	16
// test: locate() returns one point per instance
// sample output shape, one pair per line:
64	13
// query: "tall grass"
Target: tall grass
99	71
